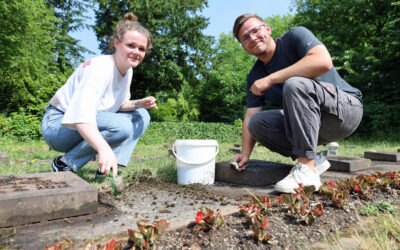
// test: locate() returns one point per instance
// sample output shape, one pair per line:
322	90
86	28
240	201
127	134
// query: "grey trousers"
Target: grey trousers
314	113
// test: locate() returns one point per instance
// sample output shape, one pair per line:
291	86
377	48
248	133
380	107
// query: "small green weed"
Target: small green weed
373	209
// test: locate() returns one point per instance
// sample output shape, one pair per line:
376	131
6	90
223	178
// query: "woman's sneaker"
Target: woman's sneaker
58	166
321	163
300	173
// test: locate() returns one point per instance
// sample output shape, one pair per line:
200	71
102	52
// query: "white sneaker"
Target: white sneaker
300	173
321	164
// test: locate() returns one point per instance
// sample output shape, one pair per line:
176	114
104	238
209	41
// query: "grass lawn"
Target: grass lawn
35	157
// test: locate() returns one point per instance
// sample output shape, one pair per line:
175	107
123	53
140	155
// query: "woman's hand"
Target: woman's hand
108	161
148	103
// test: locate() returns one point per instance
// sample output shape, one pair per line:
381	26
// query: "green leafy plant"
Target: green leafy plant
208	219
6	237
22	125
147	233
375	208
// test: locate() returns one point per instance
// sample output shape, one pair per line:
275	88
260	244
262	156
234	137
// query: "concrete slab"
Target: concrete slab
4	159
348	164
30	198
258	173
382	156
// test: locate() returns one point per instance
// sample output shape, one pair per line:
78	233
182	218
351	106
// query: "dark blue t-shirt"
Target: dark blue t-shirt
290	48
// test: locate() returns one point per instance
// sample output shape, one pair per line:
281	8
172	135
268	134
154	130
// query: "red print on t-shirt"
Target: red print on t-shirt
87	63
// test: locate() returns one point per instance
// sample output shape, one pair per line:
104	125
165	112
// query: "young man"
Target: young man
296	72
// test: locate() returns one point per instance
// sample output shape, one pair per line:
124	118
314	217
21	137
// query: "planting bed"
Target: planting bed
286	232
152	199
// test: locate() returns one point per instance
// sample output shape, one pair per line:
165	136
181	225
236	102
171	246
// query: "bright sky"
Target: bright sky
222	14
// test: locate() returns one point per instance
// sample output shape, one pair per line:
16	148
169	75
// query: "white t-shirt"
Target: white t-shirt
96	85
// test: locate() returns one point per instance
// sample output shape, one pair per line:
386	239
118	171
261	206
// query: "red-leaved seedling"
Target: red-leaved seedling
334	192
259	226
255	212
299	204
64	244
113	245
147	233
207	219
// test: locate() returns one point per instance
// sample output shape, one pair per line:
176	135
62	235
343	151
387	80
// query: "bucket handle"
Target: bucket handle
189	163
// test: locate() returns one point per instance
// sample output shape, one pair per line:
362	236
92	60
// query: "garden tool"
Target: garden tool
117	183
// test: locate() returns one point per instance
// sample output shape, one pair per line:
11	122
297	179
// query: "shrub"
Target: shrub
21	125
164	132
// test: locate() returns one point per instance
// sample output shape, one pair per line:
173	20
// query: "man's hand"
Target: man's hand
261	85
242	160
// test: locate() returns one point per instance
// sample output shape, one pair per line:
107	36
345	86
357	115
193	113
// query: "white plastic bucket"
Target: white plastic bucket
195	160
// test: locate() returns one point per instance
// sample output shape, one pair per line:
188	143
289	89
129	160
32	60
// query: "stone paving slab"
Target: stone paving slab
382	156
257	173
30	198
348	164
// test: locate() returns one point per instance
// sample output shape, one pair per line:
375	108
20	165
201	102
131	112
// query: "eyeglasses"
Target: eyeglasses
253	32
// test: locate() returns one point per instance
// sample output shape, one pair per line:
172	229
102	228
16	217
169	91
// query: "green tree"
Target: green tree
180	49
26	54
71	15
223	91
176	106
363	38
279	24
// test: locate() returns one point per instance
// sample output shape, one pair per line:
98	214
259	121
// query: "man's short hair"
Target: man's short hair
241	20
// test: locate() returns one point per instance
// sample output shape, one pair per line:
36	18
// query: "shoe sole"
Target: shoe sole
55	169
322	168
284	190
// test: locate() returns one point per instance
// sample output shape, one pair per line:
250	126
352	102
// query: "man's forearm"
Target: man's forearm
315	63
247	142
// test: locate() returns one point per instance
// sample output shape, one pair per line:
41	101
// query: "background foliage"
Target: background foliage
193	77
180	50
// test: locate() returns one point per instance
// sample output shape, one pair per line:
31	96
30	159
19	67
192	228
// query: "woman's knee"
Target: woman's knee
145	116
122	129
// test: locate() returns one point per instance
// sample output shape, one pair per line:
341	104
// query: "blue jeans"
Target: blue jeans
121	130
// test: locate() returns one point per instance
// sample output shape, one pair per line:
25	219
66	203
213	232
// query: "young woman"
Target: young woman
91	113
